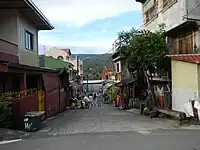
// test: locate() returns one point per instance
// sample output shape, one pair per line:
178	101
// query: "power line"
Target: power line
193	9
117	39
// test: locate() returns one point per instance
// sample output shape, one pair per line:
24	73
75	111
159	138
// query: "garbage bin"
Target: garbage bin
33	121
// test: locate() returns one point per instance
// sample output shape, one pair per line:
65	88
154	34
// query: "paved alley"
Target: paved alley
106	127
103	119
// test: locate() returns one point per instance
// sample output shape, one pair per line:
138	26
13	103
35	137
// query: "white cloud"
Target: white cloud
80	12
56	41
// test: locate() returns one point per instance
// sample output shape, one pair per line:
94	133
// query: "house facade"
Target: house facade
180	18
57	53
107	74
22	22
65	55
185	81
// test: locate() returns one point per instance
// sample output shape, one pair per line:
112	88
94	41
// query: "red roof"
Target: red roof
67	50
194	58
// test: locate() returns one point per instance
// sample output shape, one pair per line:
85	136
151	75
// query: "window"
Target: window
29	40
117	67
107	77
167	2
60	57
185	43
151	12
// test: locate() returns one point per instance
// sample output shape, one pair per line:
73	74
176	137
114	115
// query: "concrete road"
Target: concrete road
106	128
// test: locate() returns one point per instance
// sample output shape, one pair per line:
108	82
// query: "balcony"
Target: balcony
8	51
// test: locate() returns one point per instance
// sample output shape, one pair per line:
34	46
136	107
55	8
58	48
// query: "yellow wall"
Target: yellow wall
184	75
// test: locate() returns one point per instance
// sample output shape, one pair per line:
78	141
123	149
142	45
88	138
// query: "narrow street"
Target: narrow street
108	128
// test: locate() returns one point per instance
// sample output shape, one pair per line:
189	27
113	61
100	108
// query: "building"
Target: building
22	20
65	55
185	80
30	87
107	74
123	78
50	62
57	53
78	65
181	19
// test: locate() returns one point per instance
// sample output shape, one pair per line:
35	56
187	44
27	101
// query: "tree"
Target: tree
144	51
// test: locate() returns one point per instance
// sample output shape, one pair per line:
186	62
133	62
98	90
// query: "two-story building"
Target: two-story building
181	20
21	77
19	25
123	77
65	55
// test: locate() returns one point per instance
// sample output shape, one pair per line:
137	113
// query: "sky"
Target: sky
87	26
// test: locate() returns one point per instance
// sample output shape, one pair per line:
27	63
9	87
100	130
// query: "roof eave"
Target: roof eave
48	26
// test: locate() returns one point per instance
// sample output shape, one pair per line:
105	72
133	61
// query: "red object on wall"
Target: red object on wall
52	94
21	106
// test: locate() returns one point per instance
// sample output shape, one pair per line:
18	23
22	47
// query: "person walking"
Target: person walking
99	99
91	100
94	99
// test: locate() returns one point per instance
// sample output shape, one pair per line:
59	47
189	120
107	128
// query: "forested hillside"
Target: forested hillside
96	62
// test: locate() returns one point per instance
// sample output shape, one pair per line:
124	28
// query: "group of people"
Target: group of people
94	99
87	101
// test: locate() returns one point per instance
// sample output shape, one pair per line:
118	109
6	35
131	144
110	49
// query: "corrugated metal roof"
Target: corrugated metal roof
194	58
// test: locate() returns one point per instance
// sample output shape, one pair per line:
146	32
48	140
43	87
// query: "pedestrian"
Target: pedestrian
91	100
87	101
98	100
94	99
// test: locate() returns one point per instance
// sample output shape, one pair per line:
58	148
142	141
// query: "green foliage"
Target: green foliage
5	112
143	50
96	62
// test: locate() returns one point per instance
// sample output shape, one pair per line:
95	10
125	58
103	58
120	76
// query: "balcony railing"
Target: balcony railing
8	51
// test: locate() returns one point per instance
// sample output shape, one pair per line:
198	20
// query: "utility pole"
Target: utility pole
87	83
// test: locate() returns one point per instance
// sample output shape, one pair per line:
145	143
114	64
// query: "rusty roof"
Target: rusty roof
193	58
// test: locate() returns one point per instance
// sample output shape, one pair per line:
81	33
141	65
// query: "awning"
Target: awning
193	58
183	28
125	82
19	68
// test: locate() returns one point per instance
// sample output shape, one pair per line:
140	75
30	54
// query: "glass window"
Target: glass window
29	40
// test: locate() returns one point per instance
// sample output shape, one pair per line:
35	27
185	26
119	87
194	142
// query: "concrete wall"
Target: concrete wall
27	57
171	16
184	83
8	24
8	36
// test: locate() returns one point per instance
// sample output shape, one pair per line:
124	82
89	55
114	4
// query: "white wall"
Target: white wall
170	16
120	68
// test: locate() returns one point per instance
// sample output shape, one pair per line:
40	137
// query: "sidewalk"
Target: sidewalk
8	134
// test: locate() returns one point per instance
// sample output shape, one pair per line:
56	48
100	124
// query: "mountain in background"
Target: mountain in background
96	62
